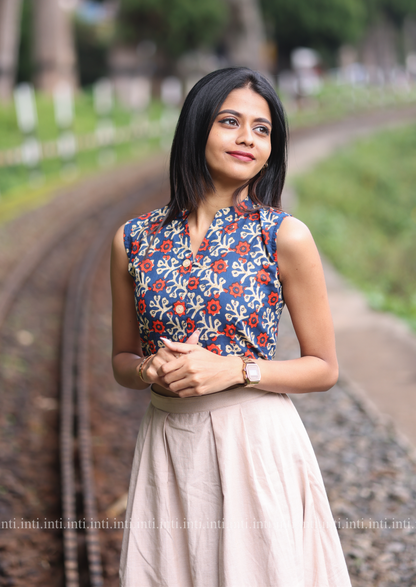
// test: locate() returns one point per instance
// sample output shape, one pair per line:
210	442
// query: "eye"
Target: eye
263	130
229	121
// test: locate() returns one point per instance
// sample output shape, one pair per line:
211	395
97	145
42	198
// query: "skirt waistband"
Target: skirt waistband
205	403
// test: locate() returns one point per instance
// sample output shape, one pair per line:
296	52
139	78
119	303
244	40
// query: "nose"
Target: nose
246	135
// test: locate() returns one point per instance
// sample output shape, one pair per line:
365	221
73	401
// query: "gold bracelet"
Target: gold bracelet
143	365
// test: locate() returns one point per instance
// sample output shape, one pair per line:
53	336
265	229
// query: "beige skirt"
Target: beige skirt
226	491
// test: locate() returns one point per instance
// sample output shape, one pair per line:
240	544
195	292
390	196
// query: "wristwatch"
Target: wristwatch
251	371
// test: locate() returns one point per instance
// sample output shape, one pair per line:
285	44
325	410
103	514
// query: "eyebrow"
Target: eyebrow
238	114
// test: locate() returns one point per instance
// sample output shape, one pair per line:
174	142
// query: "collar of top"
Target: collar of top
236	212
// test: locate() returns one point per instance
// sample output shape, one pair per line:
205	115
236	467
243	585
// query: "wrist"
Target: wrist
234	372
142	367
251	371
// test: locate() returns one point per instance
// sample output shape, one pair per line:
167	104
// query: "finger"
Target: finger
193	339
178	347
164	355
166	369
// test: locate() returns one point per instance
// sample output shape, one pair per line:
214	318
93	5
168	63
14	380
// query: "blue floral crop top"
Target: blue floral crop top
230	292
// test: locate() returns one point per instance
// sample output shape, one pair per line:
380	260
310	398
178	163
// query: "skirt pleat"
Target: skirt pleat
226	491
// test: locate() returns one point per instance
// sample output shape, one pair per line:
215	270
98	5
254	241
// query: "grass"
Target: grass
21	189
336	101
360	205
33	192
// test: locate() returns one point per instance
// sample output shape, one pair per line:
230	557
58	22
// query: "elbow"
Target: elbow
116	373
331	376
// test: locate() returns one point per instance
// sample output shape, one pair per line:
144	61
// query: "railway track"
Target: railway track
75	434
81	546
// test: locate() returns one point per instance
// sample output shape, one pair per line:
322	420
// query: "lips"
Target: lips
242	155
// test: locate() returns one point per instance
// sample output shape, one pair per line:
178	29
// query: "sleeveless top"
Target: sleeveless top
230	291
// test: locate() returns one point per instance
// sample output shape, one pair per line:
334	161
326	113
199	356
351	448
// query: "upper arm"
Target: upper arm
125	330
304	290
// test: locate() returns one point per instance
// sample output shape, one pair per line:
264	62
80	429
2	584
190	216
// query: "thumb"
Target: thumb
193	339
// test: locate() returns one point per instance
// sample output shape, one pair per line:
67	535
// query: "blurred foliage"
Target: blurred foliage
91	48
24	63
324	25
85	119
321	24
176	26
395	10
335	101
19	187
361	208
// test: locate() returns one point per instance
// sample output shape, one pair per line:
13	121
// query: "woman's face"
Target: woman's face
239	142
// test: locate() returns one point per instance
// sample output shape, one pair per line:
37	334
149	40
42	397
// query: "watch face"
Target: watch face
253	372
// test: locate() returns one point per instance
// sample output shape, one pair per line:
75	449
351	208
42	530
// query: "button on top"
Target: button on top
180	309
186	263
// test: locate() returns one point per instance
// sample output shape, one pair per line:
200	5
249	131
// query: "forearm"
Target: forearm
199	371
126	370
303	375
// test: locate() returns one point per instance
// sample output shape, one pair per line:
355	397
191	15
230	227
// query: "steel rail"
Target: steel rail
75	440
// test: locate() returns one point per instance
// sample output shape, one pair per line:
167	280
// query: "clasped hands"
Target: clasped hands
189	370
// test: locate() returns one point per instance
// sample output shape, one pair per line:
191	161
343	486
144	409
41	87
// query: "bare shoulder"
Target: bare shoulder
119	258
293	236
118	240
297	254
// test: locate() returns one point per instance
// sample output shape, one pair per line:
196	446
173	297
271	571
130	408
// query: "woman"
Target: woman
225	487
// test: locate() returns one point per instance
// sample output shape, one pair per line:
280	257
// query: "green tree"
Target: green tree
176	26
321	24
395	10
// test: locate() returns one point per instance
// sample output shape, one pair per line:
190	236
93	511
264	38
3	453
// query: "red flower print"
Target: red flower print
204	245
135	248
193	282
158	326
190	325
213	307
219	266
159	285
183	269
254	216
235	290
253	320
214	349
152	347
146	265
262	277
166	246
242	248
249	354
179	308
141	306
230	330
273	298
262	339
266	236
144	216
231	227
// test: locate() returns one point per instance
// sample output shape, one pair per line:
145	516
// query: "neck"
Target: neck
202	217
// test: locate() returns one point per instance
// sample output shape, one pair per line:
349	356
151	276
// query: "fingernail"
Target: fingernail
163	338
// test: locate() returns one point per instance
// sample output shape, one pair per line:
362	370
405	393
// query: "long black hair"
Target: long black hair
189	174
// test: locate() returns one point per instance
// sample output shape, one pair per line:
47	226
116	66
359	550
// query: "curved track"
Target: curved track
74	400
86	239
